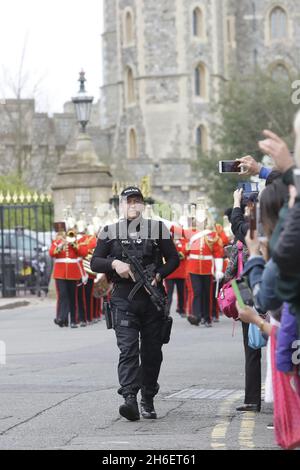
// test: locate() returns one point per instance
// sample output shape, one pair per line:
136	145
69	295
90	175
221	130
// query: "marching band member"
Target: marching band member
205	259
81	286
92	307
224	237
178	277
67	271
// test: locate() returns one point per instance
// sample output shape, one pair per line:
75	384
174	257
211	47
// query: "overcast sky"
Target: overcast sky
61	36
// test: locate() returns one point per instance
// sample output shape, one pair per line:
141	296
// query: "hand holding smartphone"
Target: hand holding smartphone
242	292
230	166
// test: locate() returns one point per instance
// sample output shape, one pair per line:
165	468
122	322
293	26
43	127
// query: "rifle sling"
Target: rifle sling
135	290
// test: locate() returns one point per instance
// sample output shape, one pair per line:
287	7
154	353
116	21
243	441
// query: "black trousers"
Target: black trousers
81	300
66	299
89	299
180	285
138	326
252	371
201	293
214	307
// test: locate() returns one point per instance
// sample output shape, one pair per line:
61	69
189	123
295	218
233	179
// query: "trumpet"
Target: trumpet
71	238
71	234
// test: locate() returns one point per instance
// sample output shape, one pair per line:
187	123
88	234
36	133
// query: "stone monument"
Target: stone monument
82	181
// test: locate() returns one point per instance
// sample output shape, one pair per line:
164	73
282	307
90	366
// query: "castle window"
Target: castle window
128	29
129	82
200	81
280	73
198	23
132	145
278	24
201	138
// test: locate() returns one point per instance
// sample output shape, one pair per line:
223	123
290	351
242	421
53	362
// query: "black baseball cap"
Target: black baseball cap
132	191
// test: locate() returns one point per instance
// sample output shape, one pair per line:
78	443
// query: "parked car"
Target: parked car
26	253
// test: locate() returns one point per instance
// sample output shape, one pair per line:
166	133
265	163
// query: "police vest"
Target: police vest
142	244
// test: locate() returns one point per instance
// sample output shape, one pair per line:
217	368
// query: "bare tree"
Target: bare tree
17	110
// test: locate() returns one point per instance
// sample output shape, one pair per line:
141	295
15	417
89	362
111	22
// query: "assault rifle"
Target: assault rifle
144	278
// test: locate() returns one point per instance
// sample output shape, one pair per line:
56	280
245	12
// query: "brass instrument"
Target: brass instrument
102	286
71	238
87	264
71	233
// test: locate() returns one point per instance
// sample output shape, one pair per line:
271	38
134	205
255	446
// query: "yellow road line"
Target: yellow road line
219	432
247	431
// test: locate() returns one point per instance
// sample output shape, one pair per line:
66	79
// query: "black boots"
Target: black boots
193	320
59	323
129	409
147	408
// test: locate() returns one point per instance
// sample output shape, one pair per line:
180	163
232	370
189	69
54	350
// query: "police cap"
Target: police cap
132	191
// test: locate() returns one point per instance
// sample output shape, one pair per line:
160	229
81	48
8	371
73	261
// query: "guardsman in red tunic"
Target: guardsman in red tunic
82	239
92	307
215	313
178	278
205	259
67	272
188	232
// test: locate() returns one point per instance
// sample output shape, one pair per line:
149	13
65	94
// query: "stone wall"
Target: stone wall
252	35
42	140
163	58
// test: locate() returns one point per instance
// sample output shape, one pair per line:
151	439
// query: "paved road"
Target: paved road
58	389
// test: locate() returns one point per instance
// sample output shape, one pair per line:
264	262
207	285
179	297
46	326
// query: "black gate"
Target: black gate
26	224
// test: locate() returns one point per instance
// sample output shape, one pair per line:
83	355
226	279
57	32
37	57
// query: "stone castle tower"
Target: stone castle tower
163	63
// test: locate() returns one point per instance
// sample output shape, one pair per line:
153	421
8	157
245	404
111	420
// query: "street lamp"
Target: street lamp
83	103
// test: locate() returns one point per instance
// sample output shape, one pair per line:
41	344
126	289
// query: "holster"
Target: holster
166	330
109	317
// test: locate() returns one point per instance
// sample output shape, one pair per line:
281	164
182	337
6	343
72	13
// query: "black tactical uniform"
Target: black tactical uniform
138	323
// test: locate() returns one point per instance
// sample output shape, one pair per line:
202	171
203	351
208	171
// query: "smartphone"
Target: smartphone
297	180
249	187
230	166
242	292
252	218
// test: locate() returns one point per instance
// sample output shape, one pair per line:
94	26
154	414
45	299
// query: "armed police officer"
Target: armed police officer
139	321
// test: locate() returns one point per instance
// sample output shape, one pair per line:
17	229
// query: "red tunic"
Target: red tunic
68	261
181	247
204	247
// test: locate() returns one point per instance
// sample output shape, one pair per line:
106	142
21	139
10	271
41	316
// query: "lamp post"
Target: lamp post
82	180
83	103
85	152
